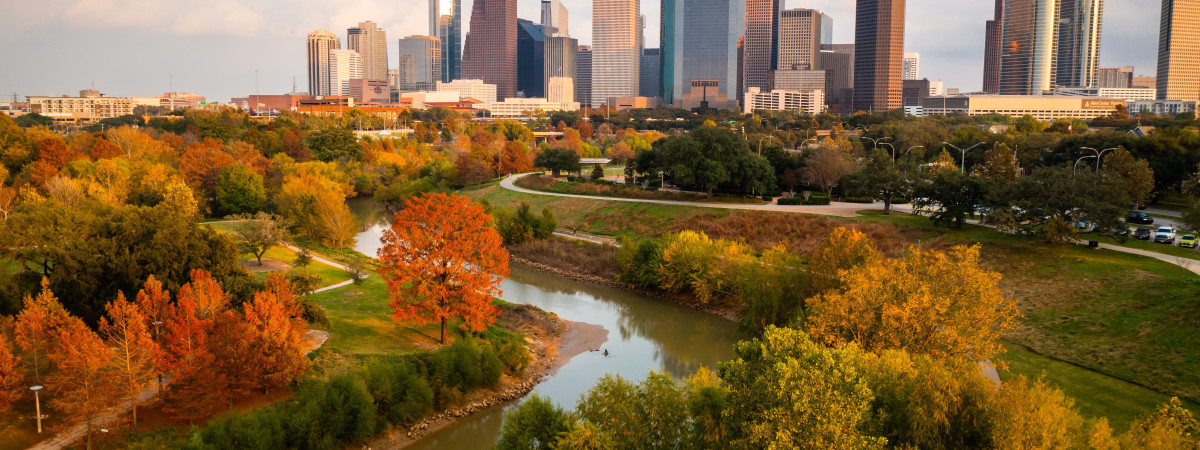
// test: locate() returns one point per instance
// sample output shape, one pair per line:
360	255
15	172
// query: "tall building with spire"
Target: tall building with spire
490	53
761	39
320	42
991	51
1078	46
616	55
878	55
1179	51
448	28
371	44
1027	58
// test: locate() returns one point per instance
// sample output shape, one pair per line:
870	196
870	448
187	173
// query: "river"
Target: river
644	334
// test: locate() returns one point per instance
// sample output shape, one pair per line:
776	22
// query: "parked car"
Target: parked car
1187	241
1139	218
1142	233
1165	235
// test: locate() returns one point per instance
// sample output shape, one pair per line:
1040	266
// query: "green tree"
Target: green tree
652	414
880	179
1051	200
536	424
255	234
598	172
951	197
557	160
1136	173
239	190
334	144
1000	164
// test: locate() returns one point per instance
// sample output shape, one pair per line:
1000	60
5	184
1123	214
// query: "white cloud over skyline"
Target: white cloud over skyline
130	47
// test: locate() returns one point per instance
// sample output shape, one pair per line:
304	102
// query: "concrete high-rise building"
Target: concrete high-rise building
583	76
560	90
1144	82
878	51
615	52
371	43
991	51
1078	46
475	89
344	65
448	28
1114	77
797	80
911	66
420	63
837	60
531	59
800	34
490	53
761	39
1027	61
650	83
1179	51
699	43
320	43
562	59
554	14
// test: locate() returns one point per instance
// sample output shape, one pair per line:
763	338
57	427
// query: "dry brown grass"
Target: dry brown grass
573	256
798	233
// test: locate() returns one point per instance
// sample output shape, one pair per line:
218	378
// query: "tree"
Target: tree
443	260
11	377
84	385
202	163
127	332
845	249
597	172
825	168
1170	426
515	158
951	197
930	302
1138	175
1058	196
239	190
880	180
1034	415
334	222
557	160
356	268
38	325
278	329
786	391
258	233
187	360
334	144
651	414
1000	164
536	424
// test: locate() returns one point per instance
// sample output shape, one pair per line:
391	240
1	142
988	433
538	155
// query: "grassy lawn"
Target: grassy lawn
362	321
329	275
1095	394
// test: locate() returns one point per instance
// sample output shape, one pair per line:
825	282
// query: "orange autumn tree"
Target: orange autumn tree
11	386
187	359
126	330
83	385
844	249
443	260
278	328
233	373
941	304
38	325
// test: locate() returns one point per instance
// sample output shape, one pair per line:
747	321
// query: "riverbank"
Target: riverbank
552	342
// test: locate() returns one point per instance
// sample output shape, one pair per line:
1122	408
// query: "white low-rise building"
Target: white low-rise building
1041	107
1160	107
811	102
524	108
475	89
1129	94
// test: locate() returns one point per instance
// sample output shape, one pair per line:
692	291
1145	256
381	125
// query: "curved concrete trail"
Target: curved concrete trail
834	209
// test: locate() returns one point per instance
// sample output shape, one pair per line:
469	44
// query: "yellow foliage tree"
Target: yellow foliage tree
845	249
941	304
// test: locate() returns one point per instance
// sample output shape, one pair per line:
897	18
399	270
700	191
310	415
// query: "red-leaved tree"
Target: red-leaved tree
83	385
128	333
443	260
275	318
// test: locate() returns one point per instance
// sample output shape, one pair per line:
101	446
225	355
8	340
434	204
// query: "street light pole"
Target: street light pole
964	153
37	401
1099	155
760	141
1075	171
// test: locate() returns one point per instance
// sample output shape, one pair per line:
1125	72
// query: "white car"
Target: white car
1165	235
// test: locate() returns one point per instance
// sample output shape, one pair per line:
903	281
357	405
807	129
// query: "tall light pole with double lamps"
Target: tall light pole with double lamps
964	153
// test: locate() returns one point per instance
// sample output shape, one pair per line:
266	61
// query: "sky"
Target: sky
228	48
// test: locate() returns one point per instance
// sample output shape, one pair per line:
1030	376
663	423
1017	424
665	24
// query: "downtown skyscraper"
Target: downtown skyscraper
878	54
371	44
448	28
615	49
554	14
991	51
320	42
1078	46
801	33
1027	57
699	43
1179	51
759	56
490	53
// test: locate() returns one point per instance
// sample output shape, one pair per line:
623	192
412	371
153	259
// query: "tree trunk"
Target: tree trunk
887	205
443	331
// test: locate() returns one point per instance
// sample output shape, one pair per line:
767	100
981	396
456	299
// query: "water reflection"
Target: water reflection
644	335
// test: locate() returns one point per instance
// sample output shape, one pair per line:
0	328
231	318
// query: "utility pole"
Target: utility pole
257	94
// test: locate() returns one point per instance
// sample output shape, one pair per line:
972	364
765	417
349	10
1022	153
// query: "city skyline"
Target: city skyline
221	61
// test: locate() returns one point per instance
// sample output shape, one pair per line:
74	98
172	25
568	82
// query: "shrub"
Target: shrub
523	226
791	201
859	200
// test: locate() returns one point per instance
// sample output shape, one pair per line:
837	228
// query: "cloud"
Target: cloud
180	18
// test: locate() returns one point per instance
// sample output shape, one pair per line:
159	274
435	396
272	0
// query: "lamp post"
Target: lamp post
1099	154
964	153
1076	169
37	401
875	141
760	141
805	143
157	323
913	147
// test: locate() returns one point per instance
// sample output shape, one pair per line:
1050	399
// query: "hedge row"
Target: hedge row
815	199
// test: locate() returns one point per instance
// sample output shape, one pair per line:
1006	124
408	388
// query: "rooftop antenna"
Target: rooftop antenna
294	87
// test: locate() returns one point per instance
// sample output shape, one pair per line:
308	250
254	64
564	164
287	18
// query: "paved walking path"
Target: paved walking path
112	416
834	209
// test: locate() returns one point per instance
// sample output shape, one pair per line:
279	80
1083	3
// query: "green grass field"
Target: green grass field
362	322
329	275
